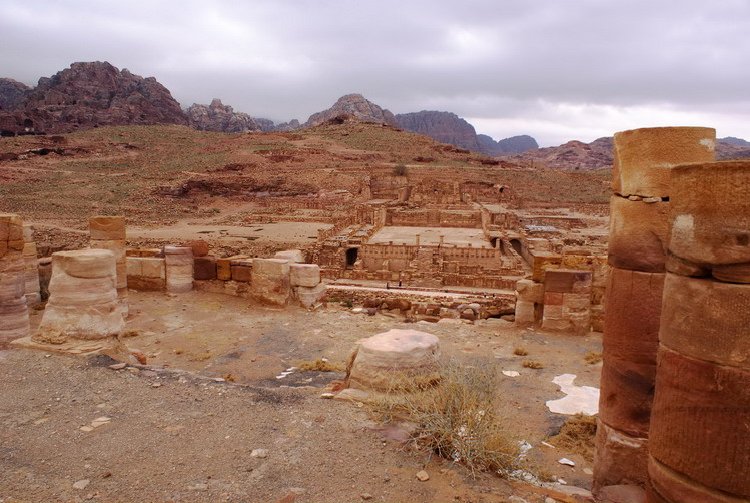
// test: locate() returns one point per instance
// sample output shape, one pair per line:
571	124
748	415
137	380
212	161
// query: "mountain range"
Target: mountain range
96	94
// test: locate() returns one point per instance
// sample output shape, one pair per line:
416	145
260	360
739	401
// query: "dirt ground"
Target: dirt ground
180	435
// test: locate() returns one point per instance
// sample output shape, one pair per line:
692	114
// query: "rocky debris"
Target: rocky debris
423	476
259	453
445	127
88	95
352	106
219	117
12	93
81	484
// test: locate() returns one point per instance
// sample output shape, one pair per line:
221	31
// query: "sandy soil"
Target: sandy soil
181	436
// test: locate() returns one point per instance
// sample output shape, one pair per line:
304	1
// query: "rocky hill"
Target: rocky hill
448	127
220	117
92	94
12	93
356	106
598	154
512	145
445	127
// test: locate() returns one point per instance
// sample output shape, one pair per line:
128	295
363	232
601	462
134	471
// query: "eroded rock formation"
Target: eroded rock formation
14	313
356	106
12	93
220	117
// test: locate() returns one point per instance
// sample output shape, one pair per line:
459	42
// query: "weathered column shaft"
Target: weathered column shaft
638	236
700	421
108	233
14	313
31	267
179	268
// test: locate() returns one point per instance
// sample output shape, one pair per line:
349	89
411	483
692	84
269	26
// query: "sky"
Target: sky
554	69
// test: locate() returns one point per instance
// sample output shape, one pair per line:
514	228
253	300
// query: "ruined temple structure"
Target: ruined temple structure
420	231
638	237
699	444
108	233
14	313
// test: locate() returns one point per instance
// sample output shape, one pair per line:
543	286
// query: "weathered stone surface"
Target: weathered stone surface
701	418
643	158
31	267
14	314
707	320
270	281
356	106
638	234
620	458
200	247
525	313
224	266
83	298
567	281
667	486
293	256
396	360
623	493
530	291
307	275
107	227
179	268
310	296
242	273
204	268
710	214
541	261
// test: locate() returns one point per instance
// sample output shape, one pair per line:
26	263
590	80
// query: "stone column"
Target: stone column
31	267
700	421
82	298
179	265
14	314
108	233
638	235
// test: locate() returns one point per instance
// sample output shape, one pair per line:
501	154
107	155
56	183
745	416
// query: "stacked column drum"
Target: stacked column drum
179	268
14	313
108	233
639	223
700	421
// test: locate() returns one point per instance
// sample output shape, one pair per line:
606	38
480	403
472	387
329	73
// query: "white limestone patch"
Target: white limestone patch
578	399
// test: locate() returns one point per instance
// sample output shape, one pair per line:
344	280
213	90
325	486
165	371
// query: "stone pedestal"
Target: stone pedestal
179	268
31	267
567	301
397	360
14	313
83	302
270	281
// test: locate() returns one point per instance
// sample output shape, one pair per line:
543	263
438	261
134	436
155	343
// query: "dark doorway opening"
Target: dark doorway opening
351	257
516	244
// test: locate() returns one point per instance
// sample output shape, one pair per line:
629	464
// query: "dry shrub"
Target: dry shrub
593	357
577	436
456	419
400	170
320	365
519	351
532	364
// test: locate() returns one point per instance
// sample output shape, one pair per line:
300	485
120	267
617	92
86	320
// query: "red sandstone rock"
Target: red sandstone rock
356	106
204	268
220	117
200	248
668	486
638	234
620	458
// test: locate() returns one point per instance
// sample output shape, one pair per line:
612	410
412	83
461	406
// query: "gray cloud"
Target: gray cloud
553	69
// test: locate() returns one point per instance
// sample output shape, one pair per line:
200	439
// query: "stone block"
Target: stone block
242	273
292	256
700	418
270	281
307	275
638	234
567	281
541	261
668	486
144	284
573	302
199	247
525	313
224	266
626	395
179	268
530	291
204	268
310	296
710	213
707	320
153	268
553	299
107	227
620	458
643	158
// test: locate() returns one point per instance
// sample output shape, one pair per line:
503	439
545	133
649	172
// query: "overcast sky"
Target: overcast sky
554	69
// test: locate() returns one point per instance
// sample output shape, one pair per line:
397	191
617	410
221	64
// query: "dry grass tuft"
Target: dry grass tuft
577	436
593	357
131	333
456	419
519	351
532	364
320	365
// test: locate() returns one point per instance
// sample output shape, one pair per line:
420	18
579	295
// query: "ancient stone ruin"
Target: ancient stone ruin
14	314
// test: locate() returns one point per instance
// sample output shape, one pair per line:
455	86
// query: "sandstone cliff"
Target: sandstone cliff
12	93
512	145
356	106
93	94
220	117
445	127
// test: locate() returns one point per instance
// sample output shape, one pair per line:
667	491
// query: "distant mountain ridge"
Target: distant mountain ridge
356	106
220	117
